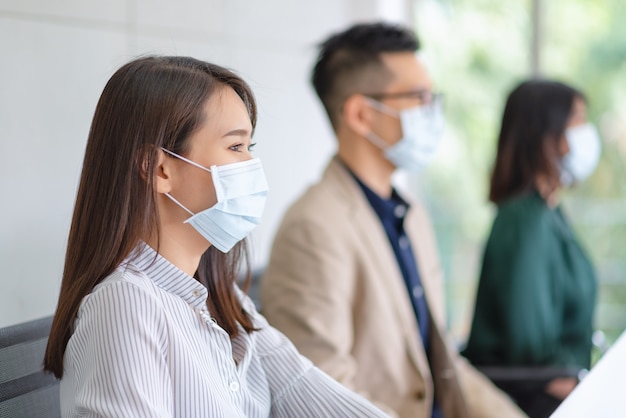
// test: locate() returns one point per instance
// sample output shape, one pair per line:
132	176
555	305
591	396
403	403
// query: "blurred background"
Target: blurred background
57	55
478	51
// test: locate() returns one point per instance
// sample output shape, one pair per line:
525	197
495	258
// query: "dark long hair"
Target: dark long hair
148	103
534	121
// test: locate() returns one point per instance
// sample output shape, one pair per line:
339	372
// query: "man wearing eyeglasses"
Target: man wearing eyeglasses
354	278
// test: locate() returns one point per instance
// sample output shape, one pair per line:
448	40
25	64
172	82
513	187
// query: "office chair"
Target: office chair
25	390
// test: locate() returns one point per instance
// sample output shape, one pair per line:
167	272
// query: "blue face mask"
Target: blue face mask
422	130
241	190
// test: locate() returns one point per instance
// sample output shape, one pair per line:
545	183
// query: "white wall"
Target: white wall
55	57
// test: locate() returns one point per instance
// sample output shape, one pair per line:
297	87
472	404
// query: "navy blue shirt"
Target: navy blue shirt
392	212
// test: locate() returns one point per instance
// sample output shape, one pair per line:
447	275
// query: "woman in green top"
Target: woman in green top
537	289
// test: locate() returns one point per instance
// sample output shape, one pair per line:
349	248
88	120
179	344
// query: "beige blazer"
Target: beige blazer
334	288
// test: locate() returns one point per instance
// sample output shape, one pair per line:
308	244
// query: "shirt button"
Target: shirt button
403	242
418	292
399	211
196	293
234	386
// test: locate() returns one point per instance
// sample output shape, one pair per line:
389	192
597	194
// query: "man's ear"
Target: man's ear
358	114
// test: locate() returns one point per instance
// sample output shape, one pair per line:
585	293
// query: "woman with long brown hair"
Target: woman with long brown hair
537	289
150	321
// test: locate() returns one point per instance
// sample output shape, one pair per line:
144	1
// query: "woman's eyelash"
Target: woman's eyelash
237	147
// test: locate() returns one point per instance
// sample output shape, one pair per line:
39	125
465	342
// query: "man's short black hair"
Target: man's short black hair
349	62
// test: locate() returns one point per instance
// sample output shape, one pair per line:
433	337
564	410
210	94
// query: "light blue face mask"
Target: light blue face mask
422	130
241	189
583	156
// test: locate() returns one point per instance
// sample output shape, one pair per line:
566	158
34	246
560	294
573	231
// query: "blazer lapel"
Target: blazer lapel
368	226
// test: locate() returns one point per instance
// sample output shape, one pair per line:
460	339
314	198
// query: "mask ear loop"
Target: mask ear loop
186	160
383	108
375	139
172	198
179	204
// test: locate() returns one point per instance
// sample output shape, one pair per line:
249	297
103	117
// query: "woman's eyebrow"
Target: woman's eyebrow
237	132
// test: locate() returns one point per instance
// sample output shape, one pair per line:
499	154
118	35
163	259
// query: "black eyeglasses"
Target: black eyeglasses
424	96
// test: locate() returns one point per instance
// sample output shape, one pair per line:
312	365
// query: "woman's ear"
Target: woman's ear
162	172
358	115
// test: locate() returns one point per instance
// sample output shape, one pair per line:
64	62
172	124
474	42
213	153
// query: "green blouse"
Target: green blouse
537	291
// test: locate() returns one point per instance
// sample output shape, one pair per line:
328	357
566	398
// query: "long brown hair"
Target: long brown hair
148	103
534	121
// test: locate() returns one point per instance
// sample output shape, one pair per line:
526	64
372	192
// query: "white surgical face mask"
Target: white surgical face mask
584	153
241	190
422	130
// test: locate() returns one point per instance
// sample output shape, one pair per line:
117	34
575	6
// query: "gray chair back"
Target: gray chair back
25	390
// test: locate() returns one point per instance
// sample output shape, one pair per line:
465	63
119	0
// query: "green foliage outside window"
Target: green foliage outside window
477	51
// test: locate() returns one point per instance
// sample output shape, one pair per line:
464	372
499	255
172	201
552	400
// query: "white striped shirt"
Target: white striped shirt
145	345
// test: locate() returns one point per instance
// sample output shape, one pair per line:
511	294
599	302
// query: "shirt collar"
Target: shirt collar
167	276
394	208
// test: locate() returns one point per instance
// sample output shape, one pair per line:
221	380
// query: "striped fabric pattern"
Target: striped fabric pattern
145	345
